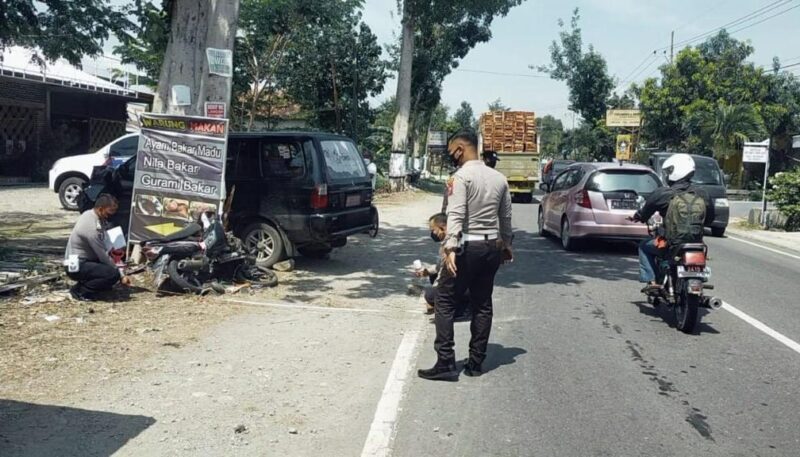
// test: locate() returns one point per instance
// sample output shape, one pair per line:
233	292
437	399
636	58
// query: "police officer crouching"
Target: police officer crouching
86	259
477	242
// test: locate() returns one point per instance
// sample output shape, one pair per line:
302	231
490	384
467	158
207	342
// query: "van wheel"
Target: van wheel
69	191
265	243
718	232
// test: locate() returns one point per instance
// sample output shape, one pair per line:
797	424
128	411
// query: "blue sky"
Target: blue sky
625	32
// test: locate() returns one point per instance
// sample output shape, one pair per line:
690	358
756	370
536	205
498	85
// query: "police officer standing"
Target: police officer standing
478	240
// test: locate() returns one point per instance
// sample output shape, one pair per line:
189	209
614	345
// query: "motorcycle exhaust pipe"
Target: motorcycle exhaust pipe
191	265
713	303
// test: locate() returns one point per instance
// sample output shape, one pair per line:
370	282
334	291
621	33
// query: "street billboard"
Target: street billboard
437	139
755	152
180	173
623	118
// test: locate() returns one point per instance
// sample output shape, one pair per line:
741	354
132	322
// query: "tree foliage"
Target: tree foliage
69	29
585	73
726	127
464	117
498	105
551	136
785	194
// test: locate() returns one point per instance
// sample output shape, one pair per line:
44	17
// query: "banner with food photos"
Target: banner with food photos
180	173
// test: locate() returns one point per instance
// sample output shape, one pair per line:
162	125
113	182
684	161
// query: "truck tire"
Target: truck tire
69	192
526	198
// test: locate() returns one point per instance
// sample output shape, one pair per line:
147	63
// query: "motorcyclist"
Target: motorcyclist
678	170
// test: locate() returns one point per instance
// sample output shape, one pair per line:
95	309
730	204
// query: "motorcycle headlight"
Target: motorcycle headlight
721	202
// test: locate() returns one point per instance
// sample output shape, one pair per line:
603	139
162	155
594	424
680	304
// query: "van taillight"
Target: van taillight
319	197
583	200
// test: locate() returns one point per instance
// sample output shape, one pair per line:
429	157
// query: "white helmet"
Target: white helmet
678	167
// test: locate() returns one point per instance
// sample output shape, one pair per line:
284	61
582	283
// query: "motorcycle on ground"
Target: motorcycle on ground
683	274
199	256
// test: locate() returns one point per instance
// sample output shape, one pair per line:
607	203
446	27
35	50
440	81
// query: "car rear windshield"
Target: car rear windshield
343	160
643	182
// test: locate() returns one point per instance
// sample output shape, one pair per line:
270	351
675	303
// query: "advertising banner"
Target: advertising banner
624	147
755	152
623	118
180	173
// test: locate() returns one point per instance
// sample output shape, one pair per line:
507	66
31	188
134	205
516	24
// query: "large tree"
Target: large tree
551	136
69	29
585	72
464	117
435	36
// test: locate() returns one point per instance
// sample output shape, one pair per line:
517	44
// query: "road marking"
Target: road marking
793	345
764	247
382	431
317	308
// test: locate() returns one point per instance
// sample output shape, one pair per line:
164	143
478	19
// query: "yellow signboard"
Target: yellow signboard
623	118
624	147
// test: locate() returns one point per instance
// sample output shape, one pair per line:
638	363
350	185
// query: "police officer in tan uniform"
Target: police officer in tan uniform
478	240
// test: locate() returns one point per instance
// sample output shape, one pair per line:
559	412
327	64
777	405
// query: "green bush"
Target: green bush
785	194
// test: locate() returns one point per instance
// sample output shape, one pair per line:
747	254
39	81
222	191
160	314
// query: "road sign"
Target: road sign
624	147
437	138
623	118
755	152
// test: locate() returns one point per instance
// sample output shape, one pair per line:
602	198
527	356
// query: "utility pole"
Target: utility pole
671	47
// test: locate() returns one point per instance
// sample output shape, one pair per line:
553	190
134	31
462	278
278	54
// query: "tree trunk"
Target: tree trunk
400	131
196	25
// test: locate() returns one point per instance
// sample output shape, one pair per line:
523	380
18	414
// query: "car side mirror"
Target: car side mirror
544	187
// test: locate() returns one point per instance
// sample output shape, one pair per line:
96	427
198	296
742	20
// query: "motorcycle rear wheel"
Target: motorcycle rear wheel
185	281
686	310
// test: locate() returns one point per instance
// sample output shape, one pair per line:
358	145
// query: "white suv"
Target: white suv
69	174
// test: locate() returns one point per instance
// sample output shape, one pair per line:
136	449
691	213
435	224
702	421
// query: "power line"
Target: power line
643	70
766	19
698	16
743	19
522	75
628	77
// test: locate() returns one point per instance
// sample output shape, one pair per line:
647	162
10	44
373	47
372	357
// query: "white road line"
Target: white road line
764	247
793	345
382	431
317	308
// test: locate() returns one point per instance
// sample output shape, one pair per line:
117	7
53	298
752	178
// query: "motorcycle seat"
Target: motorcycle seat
691	247
186	232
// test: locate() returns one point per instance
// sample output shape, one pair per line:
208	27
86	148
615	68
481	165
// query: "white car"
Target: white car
69	174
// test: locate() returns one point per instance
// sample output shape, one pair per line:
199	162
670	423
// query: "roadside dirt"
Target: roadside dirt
53	346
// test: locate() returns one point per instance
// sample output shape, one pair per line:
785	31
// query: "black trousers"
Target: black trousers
477	266
94	277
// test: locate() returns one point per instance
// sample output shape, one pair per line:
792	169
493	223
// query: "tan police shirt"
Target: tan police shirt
479	203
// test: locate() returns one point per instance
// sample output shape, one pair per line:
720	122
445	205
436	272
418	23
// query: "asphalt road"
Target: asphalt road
580	365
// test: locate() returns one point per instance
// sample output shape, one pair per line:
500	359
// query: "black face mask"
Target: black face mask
434	237
454	161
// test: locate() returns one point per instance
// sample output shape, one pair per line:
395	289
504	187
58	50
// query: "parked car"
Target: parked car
296	192
593	201
709	176
553	168
69	174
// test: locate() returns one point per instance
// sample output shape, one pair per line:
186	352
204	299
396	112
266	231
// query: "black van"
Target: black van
294	192
707	175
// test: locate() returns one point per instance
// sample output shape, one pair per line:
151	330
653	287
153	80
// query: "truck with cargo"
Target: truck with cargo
512	135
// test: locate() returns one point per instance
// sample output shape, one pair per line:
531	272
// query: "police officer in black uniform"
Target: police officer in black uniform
478	240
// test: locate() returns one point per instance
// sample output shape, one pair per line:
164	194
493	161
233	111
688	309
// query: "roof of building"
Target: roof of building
19	62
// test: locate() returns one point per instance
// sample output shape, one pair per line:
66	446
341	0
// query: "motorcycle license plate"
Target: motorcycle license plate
623	204
353	200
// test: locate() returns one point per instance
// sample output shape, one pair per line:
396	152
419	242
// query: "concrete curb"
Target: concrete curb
760	237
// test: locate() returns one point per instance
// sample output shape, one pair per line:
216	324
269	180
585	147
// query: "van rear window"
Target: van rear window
343	160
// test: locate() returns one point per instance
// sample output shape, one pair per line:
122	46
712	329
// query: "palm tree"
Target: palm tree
727	127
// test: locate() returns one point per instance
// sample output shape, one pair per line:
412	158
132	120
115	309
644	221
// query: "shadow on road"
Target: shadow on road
498	355
31	430
661	312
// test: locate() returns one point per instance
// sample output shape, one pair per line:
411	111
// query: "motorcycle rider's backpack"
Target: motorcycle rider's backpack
685	219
